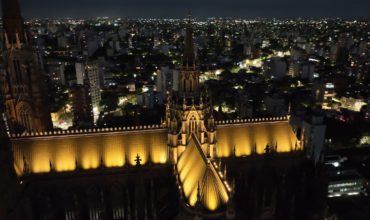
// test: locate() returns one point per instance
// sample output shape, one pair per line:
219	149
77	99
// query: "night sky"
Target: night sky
199	8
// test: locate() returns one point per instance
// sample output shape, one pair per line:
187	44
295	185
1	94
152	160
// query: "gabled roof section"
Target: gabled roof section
195	168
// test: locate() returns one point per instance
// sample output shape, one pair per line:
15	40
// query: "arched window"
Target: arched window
70	203
43	204
117	202
17	70
94	197
193	124
25	115
9	110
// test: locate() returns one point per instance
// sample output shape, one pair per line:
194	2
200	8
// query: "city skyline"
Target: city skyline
200	9
163	115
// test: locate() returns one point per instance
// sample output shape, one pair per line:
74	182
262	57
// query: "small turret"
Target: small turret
168	110
184	103
174	128
17	41
220	113
6	41
230	212
211	123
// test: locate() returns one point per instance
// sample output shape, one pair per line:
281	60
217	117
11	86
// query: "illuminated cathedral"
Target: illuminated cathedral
189	167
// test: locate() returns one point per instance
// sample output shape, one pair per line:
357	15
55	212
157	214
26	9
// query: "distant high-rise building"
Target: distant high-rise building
367	113
62	42
323	94
22	81
247	49
294	69
92	44
81	105
161	82
88	75
92	73
308	71
313	136
80	72
334	49
57	72
276	68
275	105
102	66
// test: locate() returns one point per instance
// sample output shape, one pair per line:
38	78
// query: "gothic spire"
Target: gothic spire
13	21
189	55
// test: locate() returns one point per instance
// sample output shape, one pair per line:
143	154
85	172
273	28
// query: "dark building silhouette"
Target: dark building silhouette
13	21
22	81
81	105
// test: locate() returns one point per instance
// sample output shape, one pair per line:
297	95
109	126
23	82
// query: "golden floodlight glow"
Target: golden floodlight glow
114	155
63	152
213	191
245	137
89	154
194	170
65	161
40	163
158	150
137	146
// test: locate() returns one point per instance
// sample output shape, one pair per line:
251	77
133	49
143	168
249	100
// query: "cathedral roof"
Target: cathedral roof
195	169
88	150
248	138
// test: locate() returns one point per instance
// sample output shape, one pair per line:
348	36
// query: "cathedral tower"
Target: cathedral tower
22	79
188	110
13	22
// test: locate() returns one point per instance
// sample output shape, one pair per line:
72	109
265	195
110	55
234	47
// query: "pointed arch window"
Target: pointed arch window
117	203
17	71
25	114
193	124
70	205
95	204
